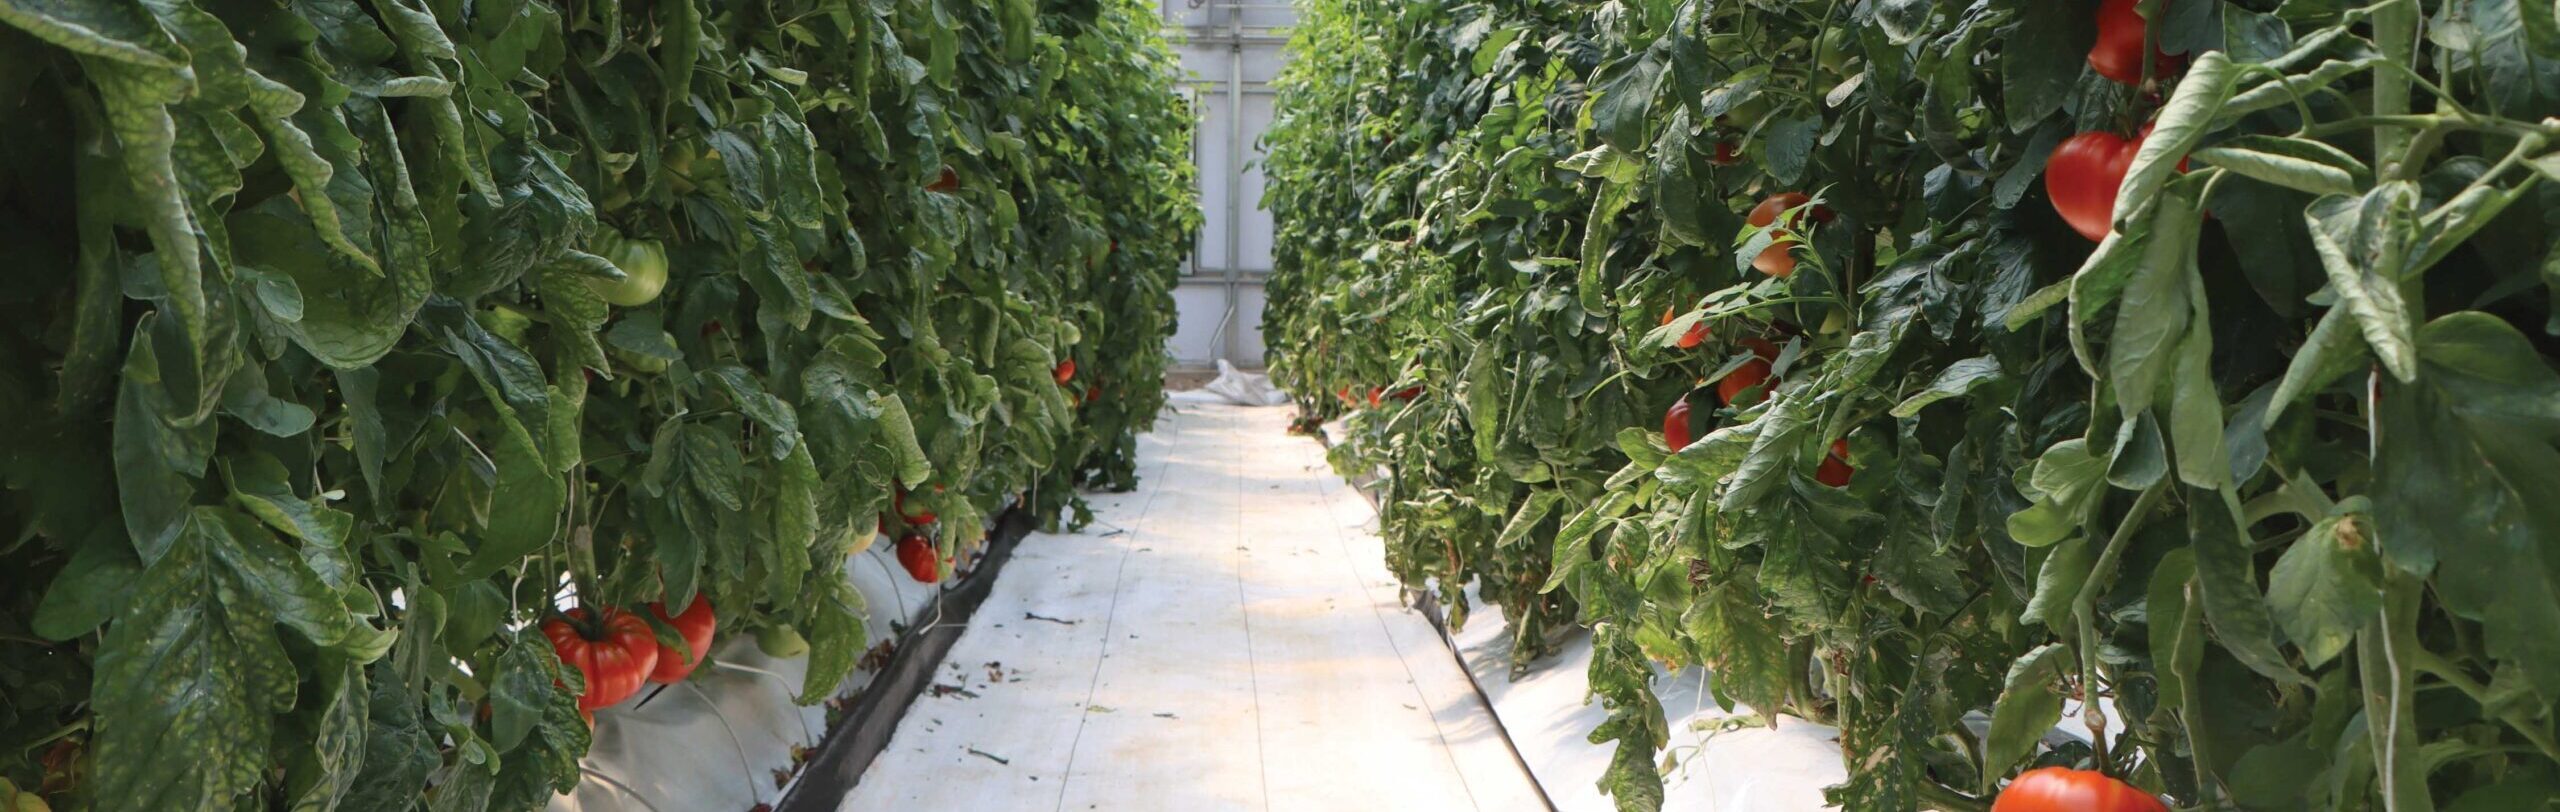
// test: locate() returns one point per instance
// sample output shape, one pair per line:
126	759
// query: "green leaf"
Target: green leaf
2361	240
2156	309
1957	380
189	680
2030	703
2058	583
518	691
2295	163
2066	481
2463	469
2233	606
2183	122
836	637
2325	588
2041	59
259	484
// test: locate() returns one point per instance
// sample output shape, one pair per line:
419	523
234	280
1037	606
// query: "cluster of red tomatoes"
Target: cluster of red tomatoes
1752	377
2085	172
618	652
916	553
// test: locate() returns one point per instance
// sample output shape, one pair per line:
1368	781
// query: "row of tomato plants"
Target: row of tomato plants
353	348
1924	367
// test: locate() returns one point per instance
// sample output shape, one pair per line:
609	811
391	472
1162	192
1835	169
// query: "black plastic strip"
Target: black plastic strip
838	764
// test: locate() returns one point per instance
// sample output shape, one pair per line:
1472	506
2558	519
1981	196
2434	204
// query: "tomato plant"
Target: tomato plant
613	651
697	625
349	337
2266	482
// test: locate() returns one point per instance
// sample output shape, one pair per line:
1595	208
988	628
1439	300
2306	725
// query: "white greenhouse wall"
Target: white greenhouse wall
1230	52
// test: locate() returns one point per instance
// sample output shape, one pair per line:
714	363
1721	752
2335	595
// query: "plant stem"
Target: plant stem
2084	611
1937	796
2435	665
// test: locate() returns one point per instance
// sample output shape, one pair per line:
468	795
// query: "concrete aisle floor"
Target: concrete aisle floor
1226	637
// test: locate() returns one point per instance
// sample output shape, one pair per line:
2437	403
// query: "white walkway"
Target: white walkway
1226	637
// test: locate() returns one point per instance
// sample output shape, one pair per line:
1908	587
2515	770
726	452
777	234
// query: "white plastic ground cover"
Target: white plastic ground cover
1549	713
1225	638
724	739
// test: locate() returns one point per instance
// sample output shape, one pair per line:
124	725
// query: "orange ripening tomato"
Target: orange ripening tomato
915	553
2061	789
1065	372
616	665
1835	470
697	625
1676	430
1696	335
1779	258
1374	394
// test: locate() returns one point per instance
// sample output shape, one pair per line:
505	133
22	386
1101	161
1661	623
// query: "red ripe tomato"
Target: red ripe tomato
949	182
1779	259
1696	335
615	664
2083	177
1406	394
1065	372
696	625
2060	789
915	552
1727	154
1752	373
1676	431
1344	395
2118	52
1092	392
1374	394
1835	470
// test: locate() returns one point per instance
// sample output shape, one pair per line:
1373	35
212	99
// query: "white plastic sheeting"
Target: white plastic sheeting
1236	387
1227	637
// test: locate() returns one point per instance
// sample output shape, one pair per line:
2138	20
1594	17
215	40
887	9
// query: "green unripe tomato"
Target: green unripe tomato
643	264
780	640
1832	52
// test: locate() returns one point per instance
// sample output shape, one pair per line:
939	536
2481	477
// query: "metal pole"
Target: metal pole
1235	180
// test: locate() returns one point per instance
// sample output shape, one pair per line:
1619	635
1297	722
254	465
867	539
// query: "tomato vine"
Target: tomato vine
2262	471
343	337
